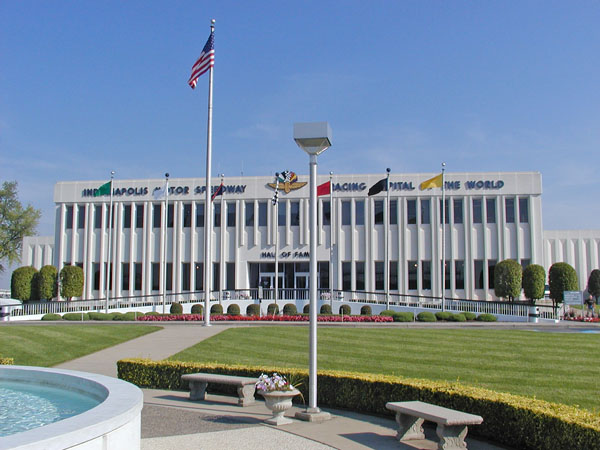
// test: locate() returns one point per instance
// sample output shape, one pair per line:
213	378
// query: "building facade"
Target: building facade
489	217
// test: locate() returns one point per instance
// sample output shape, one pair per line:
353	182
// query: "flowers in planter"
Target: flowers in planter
273	383
271	318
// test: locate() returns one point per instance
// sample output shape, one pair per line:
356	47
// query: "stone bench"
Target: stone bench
199	381
451	424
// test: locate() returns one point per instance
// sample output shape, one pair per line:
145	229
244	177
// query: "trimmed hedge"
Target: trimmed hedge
306	309
272	309
365	310
76	316
459	317
387	312
443	315
404	316
487	318
426	316
345	310
176	308
325	309
233	309
253	310
197	309
216	309
469	315
290	309
515	421
51	316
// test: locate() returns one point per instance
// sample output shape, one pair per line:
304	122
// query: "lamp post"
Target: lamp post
314	139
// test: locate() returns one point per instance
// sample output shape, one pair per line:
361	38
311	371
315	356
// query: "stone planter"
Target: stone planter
279	402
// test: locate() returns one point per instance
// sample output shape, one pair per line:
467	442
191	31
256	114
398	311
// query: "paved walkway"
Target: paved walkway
171	421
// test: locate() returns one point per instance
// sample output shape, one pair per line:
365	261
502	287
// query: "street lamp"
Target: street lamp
314	139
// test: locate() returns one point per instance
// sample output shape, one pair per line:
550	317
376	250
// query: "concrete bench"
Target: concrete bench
451	424
199	381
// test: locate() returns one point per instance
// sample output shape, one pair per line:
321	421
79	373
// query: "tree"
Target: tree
16	222
71	282
44	282
593	286
507	279
21	282
534	281
561	277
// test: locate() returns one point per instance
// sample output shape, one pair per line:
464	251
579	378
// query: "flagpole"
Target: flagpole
164	252
331	239
443	238
276	208
386	270
108	257
207	200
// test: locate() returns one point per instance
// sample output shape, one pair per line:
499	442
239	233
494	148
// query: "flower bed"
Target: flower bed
584	319
274	318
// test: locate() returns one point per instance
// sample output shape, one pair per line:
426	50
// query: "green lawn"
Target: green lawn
49	345
558	367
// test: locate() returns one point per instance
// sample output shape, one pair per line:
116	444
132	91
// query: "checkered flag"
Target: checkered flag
275	198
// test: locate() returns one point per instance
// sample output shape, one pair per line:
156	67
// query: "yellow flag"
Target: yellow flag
432	183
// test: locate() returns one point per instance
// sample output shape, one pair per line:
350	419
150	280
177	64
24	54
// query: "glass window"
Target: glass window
262	214
412	274
378	212
490	206
126	216
426	274
446	211
199	215
323	270
155	276
97	216
510	210
476	210
491	270
359	210
345	212
187	216
217	215
524	210
458	210
295	214
230	267
81	216
249	210
96	272
281	214
393	212
185	276
459	274
156	219
393	275
169	276
411	212
69	217
139	216
346	276
478	273
447	275
170	215
138	276
425	211
125	276
231	214
216	277
359	267
199	276
525	262
326	213
379	276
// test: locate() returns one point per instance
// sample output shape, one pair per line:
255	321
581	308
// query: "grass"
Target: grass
557	367
49	345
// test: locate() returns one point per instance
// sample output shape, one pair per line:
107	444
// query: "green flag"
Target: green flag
103	190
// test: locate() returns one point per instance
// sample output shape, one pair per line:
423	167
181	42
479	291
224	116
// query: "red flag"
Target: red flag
324	189
218	191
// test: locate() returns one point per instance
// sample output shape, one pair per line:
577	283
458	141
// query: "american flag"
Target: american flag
205	61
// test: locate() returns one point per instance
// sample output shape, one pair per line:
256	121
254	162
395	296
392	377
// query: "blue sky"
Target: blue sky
87	87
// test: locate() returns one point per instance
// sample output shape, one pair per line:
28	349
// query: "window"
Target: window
345	212
446	211
126	216
69	218
155	276
393	212
509	204
524	210
199	276
187	215
426	274
185	276
412	274
81	216
478	273
447	275
231	214
217	215
359	212
295	214
379	276
359	267
425	211
170	215
323	269
491	270
346	276
199	215
476	210
139	216
490	207
230	283
96	272
393	276
169	276
281	214
138	276
378	212
458	210
97	216
156	218
262	214
249	210
216	277
411	212
459	274
125	276
326	213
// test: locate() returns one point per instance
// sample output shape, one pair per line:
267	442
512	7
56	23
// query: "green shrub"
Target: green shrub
508	279
21	282
561	277
534	282
443	315
115	315
71	282
233	309
272	309
365	310
216	309
325	309
511	420
44	283
487	318
459	317
289	309
152	313
426	316
404	316
130	316
176	308
253	310
469	315
51	316
99	316
197	308
387	312
345	310
76	316
306	309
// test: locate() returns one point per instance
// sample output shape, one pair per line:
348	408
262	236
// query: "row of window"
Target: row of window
133	215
